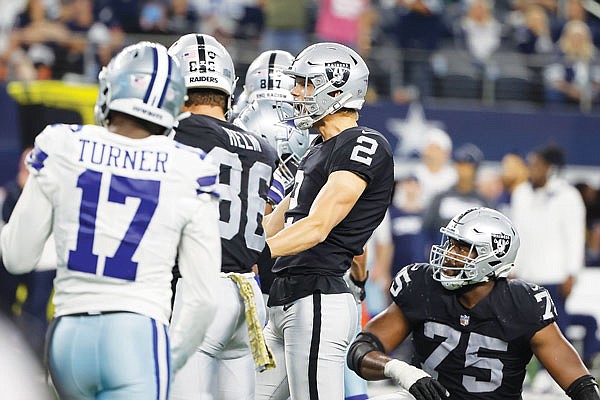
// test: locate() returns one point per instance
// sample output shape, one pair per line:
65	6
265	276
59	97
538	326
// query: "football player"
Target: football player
342	189
123	201
246	163
265	80
474	331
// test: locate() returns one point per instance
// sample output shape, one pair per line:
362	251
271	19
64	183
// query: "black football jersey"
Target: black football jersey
364	152
246	163
477	353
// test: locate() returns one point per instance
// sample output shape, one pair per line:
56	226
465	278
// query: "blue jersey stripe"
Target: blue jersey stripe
155	59
162	96
36	158
207	180
168	361
156	367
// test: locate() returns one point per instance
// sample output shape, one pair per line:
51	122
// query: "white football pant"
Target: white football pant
222	368
309	339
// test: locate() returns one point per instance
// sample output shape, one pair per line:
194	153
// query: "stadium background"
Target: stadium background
498	115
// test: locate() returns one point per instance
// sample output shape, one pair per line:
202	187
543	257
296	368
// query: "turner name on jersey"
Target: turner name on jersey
118	215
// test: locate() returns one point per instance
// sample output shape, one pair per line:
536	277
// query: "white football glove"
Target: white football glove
356	287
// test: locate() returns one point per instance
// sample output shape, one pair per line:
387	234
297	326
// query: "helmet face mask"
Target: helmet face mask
263	118
205	63
492	244
339	76
142	81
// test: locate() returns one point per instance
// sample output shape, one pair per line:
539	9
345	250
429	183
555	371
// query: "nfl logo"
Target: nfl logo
464	320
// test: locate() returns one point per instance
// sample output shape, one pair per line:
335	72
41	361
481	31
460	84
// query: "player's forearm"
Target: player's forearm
24	237
300	236
373	365
274	222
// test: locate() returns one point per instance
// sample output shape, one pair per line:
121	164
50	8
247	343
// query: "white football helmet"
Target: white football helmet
142	81
265	79
262	117
205	63
491	236
339	75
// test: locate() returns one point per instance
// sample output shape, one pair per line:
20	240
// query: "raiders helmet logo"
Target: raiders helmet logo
500	244
337	73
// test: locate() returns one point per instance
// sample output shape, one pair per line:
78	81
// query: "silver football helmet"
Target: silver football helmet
339	75
205	63
494	243
265	79
262	117
142	81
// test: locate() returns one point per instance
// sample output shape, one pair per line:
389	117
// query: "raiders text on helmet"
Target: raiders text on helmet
142	81
339	75
492	237
205	63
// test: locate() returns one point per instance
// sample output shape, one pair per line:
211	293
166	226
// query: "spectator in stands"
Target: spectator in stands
183	17
592	251
462	196
286	22
92	43
550	216
406	215
349	24
480	31
154	17
514	173
434	171
33	26
574	10
418	30
533	36
574	75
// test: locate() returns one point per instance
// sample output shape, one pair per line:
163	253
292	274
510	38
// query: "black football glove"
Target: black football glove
428	388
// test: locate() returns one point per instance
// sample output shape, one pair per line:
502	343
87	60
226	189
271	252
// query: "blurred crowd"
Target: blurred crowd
535	50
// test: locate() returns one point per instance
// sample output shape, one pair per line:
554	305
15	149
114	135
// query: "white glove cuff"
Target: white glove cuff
404	374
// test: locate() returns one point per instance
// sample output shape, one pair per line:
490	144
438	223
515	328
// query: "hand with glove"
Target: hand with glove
357	276
356	287
418	382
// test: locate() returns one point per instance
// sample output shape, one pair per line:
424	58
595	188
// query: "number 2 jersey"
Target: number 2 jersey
121	208
366	153
246	163
477	353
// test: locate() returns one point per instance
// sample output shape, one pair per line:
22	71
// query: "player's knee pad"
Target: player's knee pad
364	343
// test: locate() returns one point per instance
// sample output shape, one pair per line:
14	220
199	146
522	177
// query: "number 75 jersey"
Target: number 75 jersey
121	206
477	353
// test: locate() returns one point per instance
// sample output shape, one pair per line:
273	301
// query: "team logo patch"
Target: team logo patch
500	244
464	320
337	73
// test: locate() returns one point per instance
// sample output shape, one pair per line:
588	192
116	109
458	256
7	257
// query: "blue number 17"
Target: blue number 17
121	264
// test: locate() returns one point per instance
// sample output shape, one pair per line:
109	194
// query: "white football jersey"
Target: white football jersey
120	206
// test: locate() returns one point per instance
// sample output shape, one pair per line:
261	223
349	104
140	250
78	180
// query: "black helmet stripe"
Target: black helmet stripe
271	70
201	53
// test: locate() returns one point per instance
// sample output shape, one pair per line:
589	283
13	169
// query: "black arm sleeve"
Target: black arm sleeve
364	343
584	388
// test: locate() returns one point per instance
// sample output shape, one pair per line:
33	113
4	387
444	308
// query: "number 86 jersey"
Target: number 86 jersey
479	352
